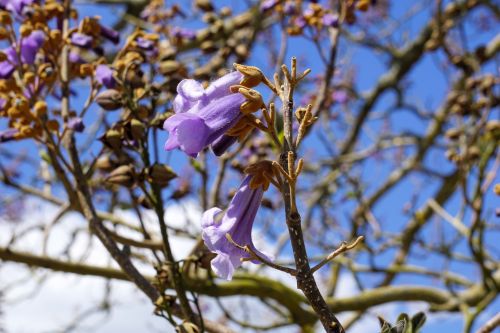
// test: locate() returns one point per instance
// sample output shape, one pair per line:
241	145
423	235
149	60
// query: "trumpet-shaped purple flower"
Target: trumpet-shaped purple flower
30	46
191	132
203	115
18	7
237	222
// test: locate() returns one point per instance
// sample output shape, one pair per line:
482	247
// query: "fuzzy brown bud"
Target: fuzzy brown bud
252	75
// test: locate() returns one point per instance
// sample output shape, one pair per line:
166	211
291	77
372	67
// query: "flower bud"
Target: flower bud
493	126
496	189
253	99
363	5
160	174
5	18
40	109
109	100
252	75
208	47
4	34
123	175
52	125
187	327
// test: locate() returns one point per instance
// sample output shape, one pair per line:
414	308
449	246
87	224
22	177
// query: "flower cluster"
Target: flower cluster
218	115
31	64
315	16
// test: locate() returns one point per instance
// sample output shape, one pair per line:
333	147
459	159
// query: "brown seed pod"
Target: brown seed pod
109	100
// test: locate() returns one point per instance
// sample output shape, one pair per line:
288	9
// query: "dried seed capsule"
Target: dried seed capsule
160	174
204	5
109	100
112	139
123	175
453	133
169	67
105	163
137	129
40	109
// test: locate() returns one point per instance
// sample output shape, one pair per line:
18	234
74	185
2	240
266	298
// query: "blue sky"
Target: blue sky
426	87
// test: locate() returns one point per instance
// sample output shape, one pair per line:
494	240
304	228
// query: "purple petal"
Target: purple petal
8	135
181	104
222	114
30	46
76	124
191	90
268	4
81	40
222	144
112	35
144	44
220	87
104	75
6	69
331	20
188	132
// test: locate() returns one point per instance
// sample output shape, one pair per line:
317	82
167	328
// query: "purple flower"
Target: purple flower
104	76
8	135
112	35
81	40
183	33
300	22
75	58
208	112
268	4
289	8
340	96
191	132
191	95
144	44
330	20
29	48
19	7
237	222
76	124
